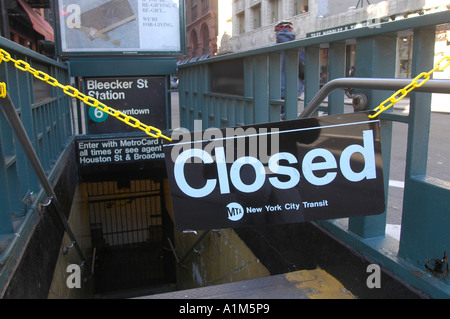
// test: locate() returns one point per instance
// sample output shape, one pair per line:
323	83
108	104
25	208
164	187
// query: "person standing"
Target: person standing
284	33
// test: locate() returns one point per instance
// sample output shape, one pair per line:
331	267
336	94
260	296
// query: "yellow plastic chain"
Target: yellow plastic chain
2	90
400	94
73	92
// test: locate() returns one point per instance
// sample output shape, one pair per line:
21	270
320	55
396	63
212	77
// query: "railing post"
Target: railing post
425	220
182	79
311	72
188	98
249	106
291	83
27	180
194	98
420	108
261	89
336	70
274	85
204	88
375	57
6	226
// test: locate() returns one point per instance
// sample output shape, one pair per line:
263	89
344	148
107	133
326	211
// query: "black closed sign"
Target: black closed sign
286	172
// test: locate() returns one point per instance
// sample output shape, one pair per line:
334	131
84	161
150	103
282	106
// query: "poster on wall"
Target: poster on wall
120	27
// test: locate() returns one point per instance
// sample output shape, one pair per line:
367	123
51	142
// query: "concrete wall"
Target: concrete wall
321	15
79	222
221	257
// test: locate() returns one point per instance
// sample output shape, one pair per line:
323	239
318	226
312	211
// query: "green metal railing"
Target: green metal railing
46	116
250	94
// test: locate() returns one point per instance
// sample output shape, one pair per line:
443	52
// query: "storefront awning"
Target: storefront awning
39	24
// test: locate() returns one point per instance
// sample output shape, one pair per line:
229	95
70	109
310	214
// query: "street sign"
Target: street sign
95	153
143	98
286	172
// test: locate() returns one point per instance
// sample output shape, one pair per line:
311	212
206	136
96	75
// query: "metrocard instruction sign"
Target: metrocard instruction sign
287	172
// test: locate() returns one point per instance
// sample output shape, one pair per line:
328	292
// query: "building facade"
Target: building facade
254	22
201	28
28	23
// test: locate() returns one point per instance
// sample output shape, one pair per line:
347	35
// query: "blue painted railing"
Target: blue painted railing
249	93
46	115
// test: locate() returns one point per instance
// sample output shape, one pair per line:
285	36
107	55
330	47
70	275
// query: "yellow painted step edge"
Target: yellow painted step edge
318	284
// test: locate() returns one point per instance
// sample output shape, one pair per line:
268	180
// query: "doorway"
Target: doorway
129	227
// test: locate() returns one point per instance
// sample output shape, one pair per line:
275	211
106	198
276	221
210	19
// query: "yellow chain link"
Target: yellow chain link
73	92
2	90
400	94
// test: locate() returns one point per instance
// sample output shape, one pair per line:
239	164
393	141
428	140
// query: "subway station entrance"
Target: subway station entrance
120	170
129	228
116	58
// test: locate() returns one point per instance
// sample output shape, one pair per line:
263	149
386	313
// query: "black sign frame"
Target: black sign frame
338	160
111	154
142	97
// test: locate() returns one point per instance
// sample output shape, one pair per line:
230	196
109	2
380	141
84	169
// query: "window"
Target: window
241	22
275	10
194	44
23	40
205	6
256	10
194	10
300	6
205	39
41	90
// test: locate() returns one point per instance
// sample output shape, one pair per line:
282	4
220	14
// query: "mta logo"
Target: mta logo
235	211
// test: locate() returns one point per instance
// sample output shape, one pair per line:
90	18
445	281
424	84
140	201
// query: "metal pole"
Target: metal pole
193	246
14	121
4	21
432	86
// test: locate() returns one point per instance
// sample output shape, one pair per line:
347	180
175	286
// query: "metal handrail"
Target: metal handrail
180	261
14	121
432	86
